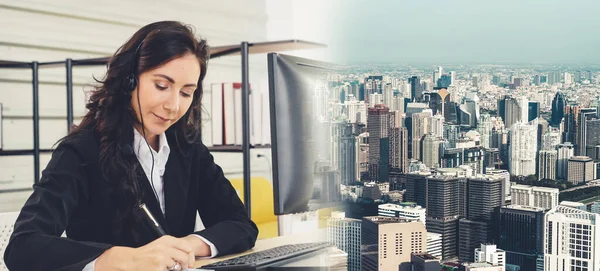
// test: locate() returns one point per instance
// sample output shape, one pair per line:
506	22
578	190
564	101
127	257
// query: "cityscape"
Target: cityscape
482	167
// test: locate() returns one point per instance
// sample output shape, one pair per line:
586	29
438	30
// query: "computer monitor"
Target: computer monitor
305	174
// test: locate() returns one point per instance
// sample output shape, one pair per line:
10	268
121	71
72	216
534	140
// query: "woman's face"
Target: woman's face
166	94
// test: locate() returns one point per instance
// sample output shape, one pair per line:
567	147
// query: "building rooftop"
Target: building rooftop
524	208
474	265
425	256
580	159
386	219
400	207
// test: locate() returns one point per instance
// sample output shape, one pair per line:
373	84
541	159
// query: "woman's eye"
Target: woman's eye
185	94
160	87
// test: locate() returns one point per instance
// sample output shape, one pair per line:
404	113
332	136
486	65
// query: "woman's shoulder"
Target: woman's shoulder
83	142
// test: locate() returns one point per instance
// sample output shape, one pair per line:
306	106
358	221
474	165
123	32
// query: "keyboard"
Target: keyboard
269	256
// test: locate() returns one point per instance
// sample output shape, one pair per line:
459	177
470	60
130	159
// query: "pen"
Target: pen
152	221
158	229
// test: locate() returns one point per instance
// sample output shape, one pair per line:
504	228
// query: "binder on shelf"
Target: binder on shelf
217	114
1	126
207	117
228	114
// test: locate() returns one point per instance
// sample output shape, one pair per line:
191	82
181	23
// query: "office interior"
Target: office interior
46	31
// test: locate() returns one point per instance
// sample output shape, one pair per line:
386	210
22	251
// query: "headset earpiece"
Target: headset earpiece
130	83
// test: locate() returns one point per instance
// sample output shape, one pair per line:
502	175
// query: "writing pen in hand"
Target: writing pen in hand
158	229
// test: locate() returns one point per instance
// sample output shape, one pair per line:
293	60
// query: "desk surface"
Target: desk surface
264	244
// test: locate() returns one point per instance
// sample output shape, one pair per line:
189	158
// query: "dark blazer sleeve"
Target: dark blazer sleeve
36	243
227	223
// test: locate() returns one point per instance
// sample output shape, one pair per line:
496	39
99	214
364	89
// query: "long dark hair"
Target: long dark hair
111	116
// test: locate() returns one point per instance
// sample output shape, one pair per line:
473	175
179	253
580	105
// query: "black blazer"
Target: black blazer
73	196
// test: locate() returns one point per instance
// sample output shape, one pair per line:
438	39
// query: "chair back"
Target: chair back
7	224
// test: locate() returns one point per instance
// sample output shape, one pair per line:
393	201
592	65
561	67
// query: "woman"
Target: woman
139	143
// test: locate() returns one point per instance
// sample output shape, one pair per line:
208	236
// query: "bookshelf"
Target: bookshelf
244	49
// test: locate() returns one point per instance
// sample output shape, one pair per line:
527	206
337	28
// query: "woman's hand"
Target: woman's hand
201	249
159	255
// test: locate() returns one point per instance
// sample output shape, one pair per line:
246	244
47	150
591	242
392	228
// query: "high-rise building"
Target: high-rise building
412	213
489	253
421	123
387	242
379	130
592	136
534	196
431	151
444	81
437	125
434	244
451	134
416	88
345	234
523	148
484	198
586	116
444	197
422	262
533	109
399	147
474	157
511	110
520	234
571	237
484	127
550	140
346	157
547	165
565	151
581	169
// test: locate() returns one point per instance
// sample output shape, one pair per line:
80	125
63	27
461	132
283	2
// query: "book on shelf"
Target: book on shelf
222	118
0	126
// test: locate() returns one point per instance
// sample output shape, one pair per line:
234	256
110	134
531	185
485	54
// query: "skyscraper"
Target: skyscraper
484	198
416	89
345	234
523	148
346	157
431	151
534	196
379	130
547	165
565	151
484	127
446	202
421	123
571	237
586	116
550	140
511	110
581	169
399	147
533	110
520	234
387	242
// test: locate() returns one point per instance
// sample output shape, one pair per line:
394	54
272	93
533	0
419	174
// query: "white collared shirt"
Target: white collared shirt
144	154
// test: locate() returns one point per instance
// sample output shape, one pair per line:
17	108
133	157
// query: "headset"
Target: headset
128	85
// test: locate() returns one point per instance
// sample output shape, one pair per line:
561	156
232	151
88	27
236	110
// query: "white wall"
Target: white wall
41	30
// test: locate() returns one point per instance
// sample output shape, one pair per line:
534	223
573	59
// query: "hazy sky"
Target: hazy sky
467	31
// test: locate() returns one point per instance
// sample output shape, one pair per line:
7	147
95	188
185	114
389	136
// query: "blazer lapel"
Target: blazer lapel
150	200
176	185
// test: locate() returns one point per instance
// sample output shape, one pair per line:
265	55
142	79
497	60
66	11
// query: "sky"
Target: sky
464	31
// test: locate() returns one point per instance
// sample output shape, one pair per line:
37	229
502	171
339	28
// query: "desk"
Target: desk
332	257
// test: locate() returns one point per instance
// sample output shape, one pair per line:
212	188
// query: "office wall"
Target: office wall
41	30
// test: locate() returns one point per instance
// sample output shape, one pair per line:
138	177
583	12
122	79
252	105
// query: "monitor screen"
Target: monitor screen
305	174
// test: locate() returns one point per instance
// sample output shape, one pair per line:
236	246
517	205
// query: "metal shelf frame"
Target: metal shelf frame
244	49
